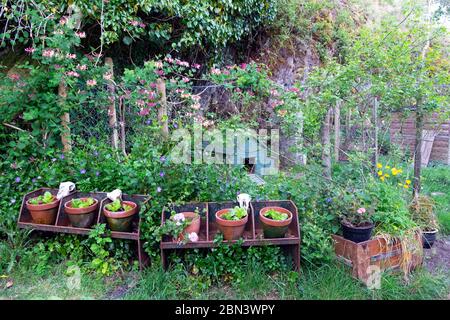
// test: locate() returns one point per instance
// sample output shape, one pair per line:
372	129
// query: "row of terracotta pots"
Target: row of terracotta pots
45	213
234	229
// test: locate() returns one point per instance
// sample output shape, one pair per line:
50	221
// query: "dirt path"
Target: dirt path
438	257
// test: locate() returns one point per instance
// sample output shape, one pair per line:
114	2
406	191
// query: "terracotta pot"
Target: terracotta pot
43	213
193	227
274	228
120	221
81	217
231	229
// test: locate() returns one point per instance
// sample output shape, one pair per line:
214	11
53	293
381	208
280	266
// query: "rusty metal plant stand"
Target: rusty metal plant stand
62	224
253	234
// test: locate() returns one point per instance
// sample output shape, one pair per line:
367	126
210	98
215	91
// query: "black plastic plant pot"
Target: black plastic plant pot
357	234
428	238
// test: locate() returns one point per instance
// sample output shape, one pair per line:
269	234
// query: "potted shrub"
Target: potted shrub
43	208
182	227
422	211
231	222
275	221
119	215
357	224
81	211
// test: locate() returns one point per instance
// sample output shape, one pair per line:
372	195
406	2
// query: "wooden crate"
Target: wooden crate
377	252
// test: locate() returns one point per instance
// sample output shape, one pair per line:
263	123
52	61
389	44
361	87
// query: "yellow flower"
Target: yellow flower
394	171
379	165
382	178
406	186
387	167
408	182
380	173
386	175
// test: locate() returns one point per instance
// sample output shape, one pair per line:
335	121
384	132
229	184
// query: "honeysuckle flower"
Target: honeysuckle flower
72	74
144	111
134	23
361	210
193	237
215	71
91	82
14	76
30	50
80	34
48	53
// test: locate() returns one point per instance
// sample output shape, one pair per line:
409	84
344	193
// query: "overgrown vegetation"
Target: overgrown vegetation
57	125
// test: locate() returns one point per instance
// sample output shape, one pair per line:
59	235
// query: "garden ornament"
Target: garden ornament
115	194
244	200
64	189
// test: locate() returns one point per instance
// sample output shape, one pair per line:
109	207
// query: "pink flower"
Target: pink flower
361	210
108	76
48	53
82	67
144	111
193	237
81	34
243	66
215	71
72	74
168	59
142	25
196	106
151	104
30	50
71	56
185	79
134	23
159	72
14	76
196	66
159	64
91	82
178	217
63	20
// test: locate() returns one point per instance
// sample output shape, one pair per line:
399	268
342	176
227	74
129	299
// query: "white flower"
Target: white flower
179	217
193	237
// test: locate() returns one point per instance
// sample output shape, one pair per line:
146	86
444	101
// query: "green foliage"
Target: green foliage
275	215
117	206
46	198
82	203
236	213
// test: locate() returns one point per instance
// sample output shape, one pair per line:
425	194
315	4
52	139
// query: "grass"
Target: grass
326	282
436	182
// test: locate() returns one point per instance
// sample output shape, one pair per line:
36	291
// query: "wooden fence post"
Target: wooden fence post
337	130
65	118
375	135
112	107
162	111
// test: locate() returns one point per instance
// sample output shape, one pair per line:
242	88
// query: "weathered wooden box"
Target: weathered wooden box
367	256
